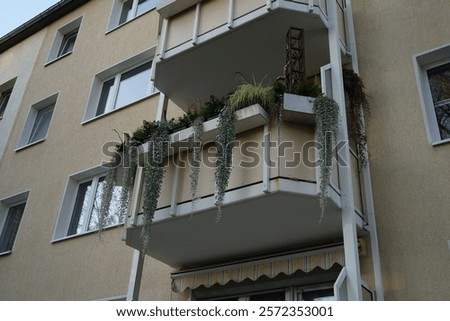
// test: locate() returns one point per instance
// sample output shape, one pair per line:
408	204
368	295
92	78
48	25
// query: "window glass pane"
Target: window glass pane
133	85
439	80
113	213
81	208
41	124
105	96
319	295
273	296
11	227
4	98
125	14
68	43
145	5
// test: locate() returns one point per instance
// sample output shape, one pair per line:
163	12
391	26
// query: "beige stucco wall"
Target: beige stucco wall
84	267
409	175
17	63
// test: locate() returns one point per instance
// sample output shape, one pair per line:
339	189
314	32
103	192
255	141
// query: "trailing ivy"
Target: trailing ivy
196	150
109	185
224	155
130	159
153	176
327	124
358	110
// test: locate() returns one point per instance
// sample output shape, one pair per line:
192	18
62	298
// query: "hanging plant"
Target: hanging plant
107	194
224	154
358	110
327	124
196	150
130	159
153	176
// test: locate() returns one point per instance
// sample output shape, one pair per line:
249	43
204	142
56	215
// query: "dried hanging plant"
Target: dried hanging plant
358	111
153	177
224	154
196	150
327	125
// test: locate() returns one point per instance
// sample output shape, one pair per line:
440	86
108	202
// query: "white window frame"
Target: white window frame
61	39
422	63
294	293
116	12
5	204
66	211
27	132
115	72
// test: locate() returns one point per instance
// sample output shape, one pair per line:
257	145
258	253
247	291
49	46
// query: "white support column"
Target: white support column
266	161
345	173
269	5
163	37
175	188
196	24
135	201
134	284
366	181
162	107
310	5
230	14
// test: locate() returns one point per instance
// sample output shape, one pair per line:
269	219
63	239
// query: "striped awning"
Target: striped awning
269	267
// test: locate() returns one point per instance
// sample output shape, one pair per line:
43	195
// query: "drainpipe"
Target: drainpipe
345	173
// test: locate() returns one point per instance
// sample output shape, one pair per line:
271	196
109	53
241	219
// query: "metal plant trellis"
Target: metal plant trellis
294	72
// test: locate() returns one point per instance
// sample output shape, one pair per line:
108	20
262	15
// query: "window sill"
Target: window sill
84	122
65	238
57	58
441	142
18	149
6	253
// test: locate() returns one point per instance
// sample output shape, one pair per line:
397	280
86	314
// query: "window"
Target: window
317	293
68	42
80	208
85	215
4	98
124	89
38	122
41	124
121	85
439	84
433	79
126	10
11	212
65	39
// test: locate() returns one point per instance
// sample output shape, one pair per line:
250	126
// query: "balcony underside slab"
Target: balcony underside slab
251	223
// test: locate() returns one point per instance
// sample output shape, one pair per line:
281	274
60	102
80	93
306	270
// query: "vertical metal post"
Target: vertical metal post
134	284
366	181
196	24
230	14
345	173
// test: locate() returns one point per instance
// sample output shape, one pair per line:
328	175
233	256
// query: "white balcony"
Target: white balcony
268	207
210	47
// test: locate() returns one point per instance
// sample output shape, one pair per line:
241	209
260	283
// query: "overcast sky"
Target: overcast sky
13	13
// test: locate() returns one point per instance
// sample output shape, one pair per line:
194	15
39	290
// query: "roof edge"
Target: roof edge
42	20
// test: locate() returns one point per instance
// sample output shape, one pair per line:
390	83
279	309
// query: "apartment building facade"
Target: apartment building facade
97	69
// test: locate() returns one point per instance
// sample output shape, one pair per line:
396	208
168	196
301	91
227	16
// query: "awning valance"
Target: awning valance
269	267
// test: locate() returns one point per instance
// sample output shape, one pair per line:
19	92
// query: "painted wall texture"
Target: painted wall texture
409	175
